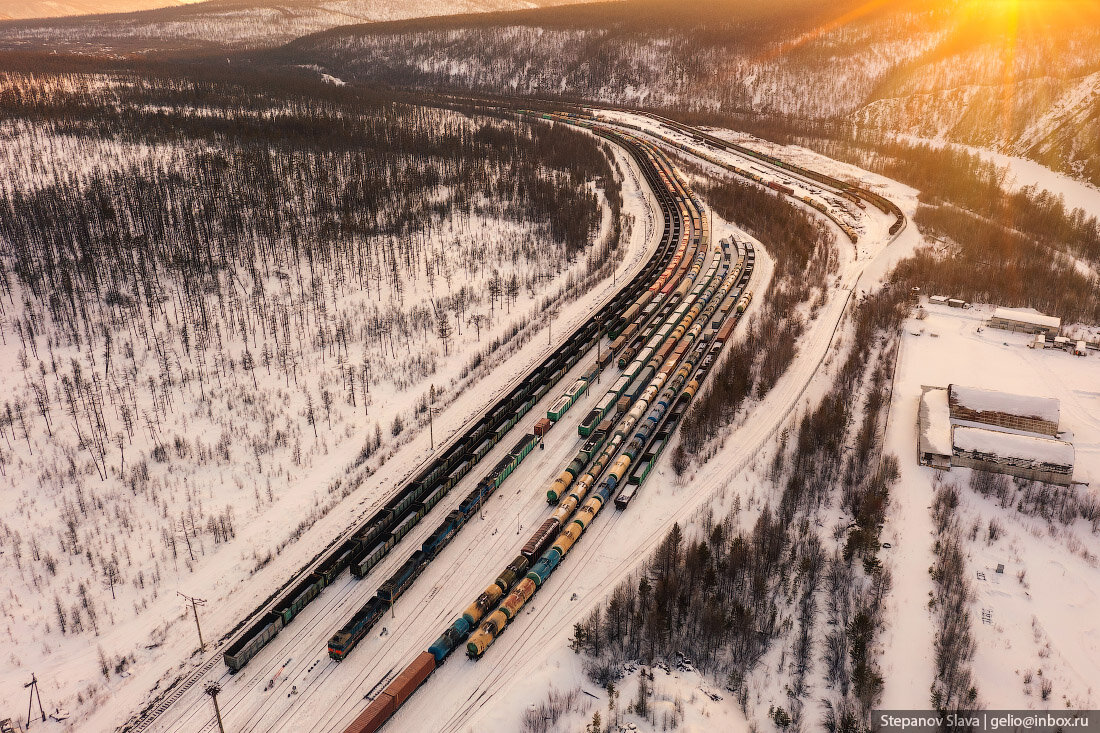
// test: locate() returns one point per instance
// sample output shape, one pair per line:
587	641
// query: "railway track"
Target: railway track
177	692
180	690
571	349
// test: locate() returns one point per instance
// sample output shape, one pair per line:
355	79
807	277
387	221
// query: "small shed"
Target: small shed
1040	342
1079	349
956	303
1062	342
938	300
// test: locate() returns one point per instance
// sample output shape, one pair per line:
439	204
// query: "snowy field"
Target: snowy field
279	521
1043	625
1035	633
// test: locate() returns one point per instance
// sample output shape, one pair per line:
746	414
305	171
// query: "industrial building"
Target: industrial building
1015	412
1025	321
993	431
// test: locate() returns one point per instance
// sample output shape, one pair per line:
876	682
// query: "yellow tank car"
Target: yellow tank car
515	600
568	504
483	603
566	539
619	469
584	516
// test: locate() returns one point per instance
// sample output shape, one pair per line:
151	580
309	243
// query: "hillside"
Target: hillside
223	311
217	24
1025	84
24	9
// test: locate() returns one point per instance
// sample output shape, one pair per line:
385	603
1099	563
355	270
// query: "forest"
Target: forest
1044	254
788	583
804	250
226	296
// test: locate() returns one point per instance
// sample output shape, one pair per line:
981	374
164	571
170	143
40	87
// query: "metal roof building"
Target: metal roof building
1025	321
1004	409
935	428
993	431
1026	456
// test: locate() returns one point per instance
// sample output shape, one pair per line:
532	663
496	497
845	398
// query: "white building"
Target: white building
1025	321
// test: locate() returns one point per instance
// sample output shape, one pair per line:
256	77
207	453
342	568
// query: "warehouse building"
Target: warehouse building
935	428
1025	321
993	431
1015	412
1027	456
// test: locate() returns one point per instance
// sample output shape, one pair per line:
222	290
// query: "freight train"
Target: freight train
668	368
361	622
671	282
365	546
520	573
846	189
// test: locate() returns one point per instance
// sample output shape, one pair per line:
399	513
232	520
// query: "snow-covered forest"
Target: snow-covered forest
215	300
937	70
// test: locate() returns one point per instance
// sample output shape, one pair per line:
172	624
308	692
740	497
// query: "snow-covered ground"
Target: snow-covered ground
1078	194
1046	621
148	624
228	582
494	692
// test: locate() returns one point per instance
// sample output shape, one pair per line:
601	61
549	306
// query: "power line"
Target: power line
34	693
195	603
212	689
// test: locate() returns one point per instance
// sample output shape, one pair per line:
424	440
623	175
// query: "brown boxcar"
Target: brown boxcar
407	682
726	329
542	426
377	713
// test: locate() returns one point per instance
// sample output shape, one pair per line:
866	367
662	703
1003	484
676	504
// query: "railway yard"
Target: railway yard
467	576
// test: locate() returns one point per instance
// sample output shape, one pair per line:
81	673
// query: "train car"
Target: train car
474	499
294	601
408	523
335	563
344	640
372	556
542	426
394	696
559	408
443	534
253	640
392	589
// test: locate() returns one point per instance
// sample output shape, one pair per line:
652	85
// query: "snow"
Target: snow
1048	626
986	400
1027	315
936	421
1009	445
494	694
1022	172
277	532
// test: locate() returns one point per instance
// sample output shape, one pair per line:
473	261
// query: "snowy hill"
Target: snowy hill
14	9
1025	85
218	23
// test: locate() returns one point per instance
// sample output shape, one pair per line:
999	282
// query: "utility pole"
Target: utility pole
212	689
195	603
34	693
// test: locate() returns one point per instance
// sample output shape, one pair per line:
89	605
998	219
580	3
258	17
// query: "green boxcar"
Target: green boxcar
644	467
373	556
408	523
297	599
558	408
